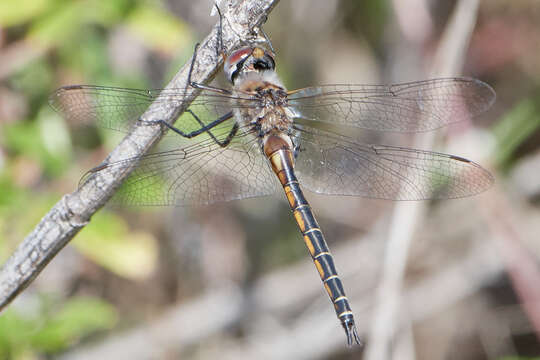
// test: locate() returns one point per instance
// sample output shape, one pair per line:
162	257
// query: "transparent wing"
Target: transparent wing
202	173
408	107
118	108
329	163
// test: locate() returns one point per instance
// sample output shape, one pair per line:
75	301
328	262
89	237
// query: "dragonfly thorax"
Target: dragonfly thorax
261	100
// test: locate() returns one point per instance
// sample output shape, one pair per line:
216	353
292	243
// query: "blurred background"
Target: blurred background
234	280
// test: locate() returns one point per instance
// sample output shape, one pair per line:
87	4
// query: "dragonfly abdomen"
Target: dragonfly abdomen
278	151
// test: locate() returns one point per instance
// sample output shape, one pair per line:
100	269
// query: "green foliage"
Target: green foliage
52	329
108	242
65	20
158	29
89	62
34	80
24	11
366	18
45	141
513	129
78	317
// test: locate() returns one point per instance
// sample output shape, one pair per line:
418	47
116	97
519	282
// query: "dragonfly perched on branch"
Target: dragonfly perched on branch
248	141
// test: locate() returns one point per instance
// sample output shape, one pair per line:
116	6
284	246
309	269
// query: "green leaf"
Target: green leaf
66	21
27	139
108	242
106	13
15	334
56	140
90	60
34	80
158	29
58	26
77	318
513	129
51	331
24	11
23	138
8	192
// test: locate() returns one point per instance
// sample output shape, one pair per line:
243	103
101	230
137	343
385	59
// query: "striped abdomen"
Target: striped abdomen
277	149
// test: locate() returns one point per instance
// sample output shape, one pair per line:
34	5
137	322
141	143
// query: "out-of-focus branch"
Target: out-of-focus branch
74	211
448	62
521	266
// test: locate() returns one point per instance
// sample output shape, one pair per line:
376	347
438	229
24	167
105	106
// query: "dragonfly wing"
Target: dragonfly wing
408	107
108	107
202	173
119	108
333	164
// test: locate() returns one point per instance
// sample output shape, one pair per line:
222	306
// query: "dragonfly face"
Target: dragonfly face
248	59
254	147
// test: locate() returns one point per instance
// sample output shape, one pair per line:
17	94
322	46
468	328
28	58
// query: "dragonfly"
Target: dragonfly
257	138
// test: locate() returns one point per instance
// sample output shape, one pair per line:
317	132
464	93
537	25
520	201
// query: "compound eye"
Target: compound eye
235	61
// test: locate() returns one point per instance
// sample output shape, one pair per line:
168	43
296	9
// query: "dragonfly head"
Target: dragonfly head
248	59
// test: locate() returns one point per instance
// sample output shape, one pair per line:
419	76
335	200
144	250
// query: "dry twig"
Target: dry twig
448	62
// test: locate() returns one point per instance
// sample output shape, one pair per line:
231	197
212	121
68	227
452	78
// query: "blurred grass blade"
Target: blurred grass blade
513	129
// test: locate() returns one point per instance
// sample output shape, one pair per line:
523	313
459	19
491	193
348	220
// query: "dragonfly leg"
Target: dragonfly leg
219	43
229	137
266	38
204	128
200	86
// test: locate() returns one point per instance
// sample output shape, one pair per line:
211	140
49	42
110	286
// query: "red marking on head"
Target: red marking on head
230	65
239	54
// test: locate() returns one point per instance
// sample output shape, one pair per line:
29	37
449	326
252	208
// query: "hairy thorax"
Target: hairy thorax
271	114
